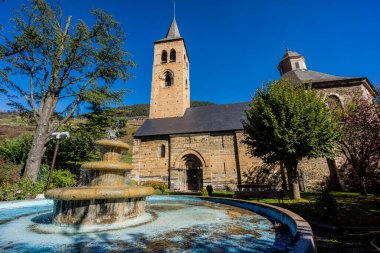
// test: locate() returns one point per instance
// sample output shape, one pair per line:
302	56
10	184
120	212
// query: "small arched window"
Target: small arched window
168	79
172	55
164	56
333	103
162	150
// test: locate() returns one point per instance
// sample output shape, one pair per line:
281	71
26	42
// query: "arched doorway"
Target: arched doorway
194	172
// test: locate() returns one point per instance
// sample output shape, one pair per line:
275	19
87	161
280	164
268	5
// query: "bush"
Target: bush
157	185
133	182
62	178
16	150
209	189
9	172
327	205
23	189
204	192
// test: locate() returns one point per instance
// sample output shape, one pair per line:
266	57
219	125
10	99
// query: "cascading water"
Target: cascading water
108	199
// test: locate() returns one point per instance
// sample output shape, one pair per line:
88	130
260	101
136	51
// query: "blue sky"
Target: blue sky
234	46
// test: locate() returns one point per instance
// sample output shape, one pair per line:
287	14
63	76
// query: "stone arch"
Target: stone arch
164	56
173	55
334	102
167	78
189	152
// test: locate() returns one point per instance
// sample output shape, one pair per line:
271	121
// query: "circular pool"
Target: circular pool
171	224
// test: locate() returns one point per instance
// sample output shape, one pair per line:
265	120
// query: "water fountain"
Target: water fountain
109	215
108	199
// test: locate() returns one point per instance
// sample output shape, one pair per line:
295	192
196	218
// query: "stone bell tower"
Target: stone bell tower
170	95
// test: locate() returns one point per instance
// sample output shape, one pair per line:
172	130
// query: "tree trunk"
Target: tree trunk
294	190
33	163
40	138
283	177
363	187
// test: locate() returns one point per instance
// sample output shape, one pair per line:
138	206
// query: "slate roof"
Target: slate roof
173	32
305	76
212	118
289	53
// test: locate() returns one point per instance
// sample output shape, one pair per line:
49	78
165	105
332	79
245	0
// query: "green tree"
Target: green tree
286	123
62	63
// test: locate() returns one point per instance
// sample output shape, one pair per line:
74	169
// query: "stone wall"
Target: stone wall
218	155
147	162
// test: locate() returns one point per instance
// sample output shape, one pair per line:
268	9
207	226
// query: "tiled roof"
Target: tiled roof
213	118
305	76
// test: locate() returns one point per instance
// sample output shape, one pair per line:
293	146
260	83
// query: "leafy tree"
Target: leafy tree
63	64
285	123
80	147
360	142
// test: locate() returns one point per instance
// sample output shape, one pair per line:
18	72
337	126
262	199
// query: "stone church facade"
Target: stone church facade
190	148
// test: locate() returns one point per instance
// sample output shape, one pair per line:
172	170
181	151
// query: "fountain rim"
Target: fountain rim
299	227
98	192
106	165
112	143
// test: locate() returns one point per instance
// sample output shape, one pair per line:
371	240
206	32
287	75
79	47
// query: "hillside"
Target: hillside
143	109
13	125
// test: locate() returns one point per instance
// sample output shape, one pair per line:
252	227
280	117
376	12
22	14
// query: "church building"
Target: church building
190	148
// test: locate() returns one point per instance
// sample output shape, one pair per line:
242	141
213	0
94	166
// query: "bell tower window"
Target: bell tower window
172	55
297	65
164	56
168	79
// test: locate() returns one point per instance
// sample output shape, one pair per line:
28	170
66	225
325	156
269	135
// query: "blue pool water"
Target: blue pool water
171	224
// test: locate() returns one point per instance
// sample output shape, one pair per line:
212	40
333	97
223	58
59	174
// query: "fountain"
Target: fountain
107	199
109	215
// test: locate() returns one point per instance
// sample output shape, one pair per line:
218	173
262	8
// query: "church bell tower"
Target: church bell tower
170	95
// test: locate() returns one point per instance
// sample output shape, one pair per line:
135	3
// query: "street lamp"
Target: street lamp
57	136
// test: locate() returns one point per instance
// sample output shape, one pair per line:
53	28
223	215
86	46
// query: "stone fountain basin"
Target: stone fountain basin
106	165
112	144
88	193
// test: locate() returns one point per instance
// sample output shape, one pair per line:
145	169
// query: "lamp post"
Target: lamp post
57	136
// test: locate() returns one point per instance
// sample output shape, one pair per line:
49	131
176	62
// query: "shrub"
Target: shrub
23	189
133	182
209	189
157	185
204	192
9	172
327	205
62	178
16	150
